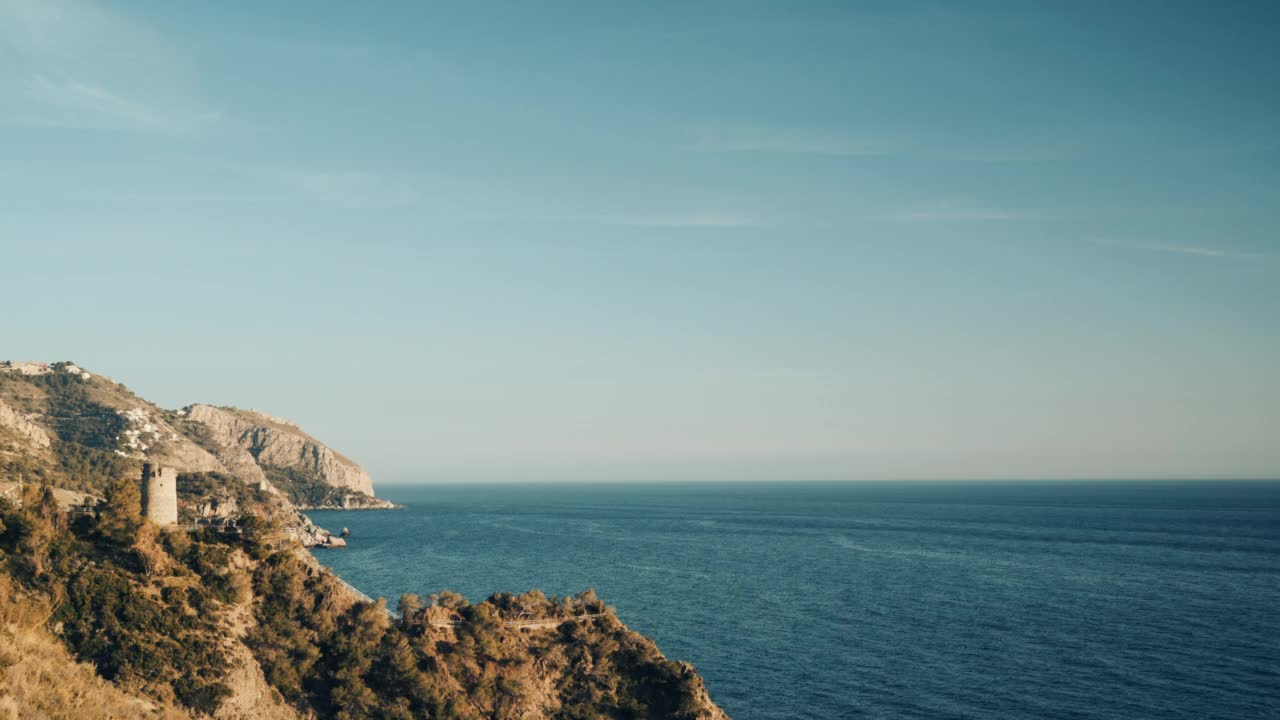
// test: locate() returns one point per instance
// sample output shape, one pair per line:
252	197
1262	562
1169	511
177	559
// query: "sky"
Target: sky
683	241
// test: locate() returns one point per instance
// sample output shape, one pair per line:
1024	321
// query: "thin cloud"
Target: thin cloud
1196	250
674	220
71	103
365	189
352	189
77	65
792	141
1004	155
955	215
52	26
706	219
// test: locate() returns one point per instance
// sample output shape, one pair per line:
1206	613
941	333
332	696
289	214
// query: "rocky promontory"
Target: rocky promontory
53	414
104	614
248	437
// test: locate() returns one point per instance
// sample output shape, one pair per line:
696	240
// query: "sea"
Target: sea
988	600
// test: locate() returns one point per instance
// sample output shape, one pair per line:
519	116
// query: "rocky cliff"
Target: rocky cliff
248	437
239	627
236	620
23	432
54	417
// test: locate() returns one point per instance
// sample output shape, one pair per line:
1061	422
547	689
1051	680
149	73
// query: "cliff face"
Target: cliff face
57	416
239	625
25	433
251	437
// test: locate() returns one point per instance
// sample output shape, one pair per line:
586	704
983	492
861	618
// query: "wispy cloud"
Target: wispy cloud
57	27
689	220
851	143
77	65
68	102
1006	154
955	215
1196	250
467	200
796	141
350	189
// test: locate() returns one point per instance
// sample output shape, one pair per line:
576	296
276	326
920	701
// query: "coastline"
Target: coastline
313	535
388	506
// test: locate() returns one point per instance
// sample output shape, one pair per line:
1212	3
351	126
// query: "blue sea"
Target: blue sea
884	600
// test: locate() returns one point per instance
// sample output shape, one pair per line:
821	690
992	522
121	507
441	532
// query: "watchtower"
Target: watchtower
160	494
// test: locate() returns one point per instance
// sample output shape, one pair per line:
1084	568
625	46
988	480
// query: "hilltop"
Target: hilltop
105	615
79	430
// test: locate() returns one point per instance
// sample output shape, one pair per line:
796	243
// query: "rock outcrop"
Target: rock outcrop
27	432
185	455
312	535
350	501
217	508
251	437
95	417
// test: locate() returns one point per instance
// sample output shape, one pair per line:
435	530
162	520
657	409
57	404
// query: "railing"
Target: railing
523	624
359	594
550	622
193	527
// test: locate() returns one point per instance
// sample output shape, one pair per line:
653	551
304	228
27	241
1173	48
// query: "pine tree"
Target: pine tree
122	516
41	521
409	607
147	547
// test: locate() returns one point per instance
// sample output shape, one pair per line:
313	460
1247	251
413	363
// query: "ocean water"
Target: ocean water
879	600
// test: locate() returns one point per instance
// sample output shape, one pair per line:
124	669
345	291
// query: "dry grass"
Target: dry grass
39	680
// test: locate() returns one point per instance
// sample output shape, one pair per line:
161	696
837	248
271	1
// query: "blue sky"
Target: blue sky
663	241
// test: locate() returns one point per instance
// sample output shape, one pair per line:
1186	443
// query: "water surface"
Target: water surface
881	600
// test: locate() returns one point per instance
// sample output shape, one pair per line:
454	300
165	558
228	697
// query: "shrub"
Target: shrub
122	515
76	418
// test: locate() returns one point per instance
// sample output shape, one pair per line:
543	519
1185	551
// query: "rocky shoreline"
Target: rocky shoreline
375	504
311	535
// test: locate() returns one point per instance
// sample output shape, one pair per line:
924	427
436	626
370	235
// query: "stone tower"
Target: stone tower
160	494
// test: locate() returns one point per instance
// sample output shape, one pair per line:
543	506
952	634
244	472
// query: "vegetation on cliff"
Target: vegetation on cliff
64	426
75	416
143	610
304	492
39	678
81	452
356	661
156	614
246	624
